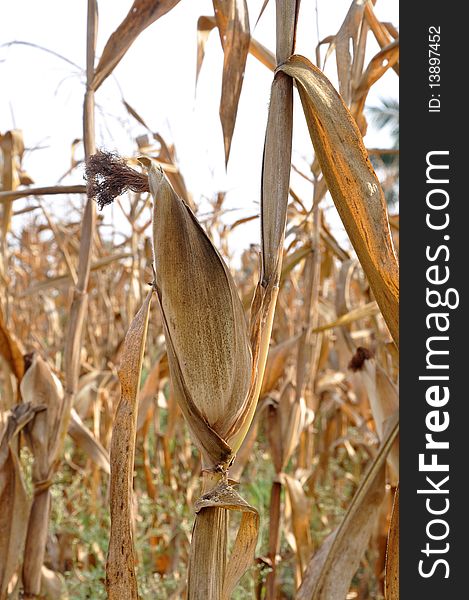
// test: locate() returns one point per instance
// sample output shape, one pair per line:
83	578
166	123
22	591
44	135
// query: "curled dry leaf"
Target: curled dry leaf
142	14
331	569
120	567
352	182
380	31
379	64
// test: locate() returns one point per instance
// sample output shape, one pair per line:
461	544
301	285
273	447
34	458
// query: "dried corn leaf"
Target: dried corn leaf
85	440
244	454
293	416
300	520
49	190
263	54
382	394
276	176
233	21
120	567
276	363
393	31
331	569
142	14
274	435
149	390
59	280
379	64
294	258
204	27
220	498
261	12
352	182
361	312
11	350
359	53
132	112
391	580
260	52
41	385
330	39
13	498
348	35
168	155
381	33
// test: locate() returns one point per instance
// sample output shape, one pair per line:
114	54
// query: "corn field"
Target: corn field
179	417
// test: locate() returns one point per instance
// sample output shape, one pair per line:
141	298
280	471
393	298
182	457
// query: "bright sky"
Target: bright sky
42	95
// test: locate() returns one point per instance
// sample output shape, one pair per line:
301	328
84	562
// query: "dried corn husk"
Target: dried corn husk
205	329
